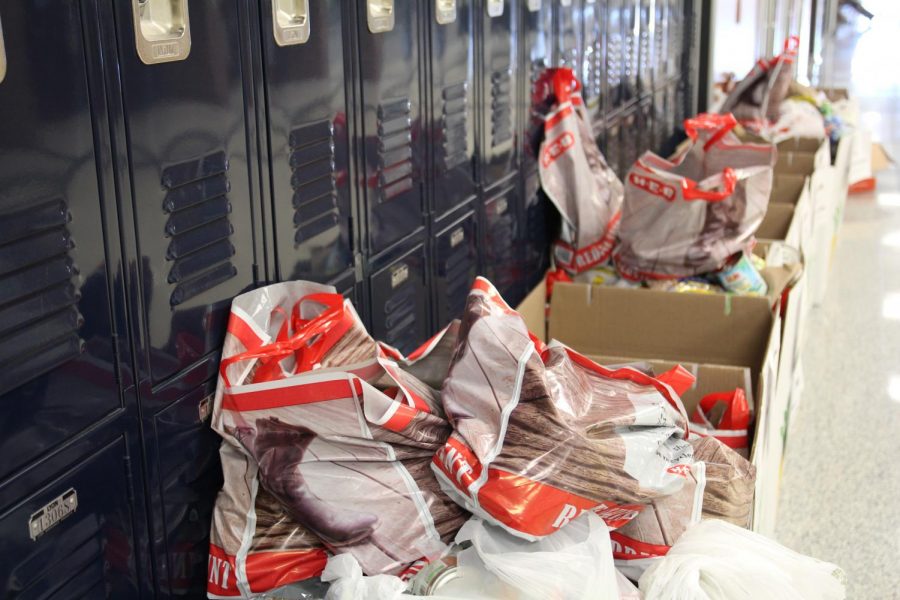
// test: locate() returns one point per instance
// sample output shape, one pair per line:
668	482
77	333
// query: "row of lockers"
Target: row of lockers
158	157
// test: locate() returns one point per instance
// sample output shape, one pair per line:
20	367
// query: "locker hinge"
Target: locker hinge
129	479
358	267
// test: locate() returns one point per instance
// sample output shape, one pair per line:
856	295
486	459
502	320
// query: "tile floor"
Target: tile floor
840	495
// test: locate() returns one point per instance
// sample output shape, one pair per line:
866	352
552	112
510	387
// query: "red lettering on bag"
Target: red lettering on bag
626	548
652	186
680	470
557	148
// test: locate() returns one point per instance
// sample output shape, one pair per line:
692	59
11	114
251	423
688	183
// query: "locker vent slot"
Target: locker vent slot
39	318
501	108
454	121
614	59
645	44
594	74
395	158
198	227
456	271
400	310
314	180
659	43
502	247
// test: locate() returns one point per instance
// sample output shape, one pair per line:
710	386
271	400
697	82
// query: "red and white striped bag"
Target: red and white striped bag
576	178
318	417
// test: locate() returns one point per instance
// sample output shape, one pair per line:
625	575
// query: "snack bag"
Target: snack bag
726	417
674	226
328	423
576	178
730	482
756	100
542	434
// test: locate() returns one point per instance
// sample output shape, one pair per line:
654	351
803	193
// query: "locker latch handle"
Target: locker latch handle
534	5
162	30
495	8
380	15
566	2
290	19
2	54
445	11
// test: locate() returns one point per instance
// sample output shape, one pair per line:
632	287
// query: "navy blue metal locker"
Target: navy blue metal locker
646	41
71	509
536	51
660	41
615	56
542	224
308	175
630	139
645	126
631	26
399	291
593	60
568	34
675	19
502	220
613	149
661	130
390	69
455	254
452	151
498	73
187	141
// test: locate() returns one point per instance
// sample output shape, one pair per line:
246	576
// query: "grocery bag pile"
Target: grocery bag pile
486	464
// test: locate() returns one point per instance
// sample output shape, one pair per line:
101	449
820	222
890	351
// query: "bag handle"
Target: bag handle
564	83
721	124
691	191
311	340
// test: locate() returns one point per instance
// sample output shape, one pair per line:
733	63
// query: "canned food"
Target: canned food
434	576
741	277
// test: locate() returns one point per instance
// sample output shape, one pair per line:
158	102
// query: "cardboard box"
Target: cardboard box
730	331
776	225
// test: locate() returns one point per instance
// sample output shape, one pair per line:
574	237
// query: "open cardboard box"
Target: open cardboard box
734	332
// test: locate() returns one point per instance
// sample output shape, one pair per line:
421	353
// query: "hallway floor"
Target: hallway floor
840	495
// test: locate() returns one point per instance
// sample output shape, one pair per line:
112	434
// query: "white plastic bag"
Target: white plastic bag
348	582
574	563
715	560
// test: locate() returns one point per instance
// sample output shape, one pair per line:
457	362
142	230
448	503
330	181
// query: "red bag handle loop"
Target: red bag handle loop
311	340
792	44
564	83
720	124
690	191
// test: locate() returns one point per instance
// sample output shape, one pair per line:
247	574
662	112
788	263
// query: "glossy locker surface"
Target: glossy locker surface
612	148
501	254
660	42
593	60
631	139
537	33
391	140
675	38
455	267
615	55
399	297
498	76
452	112
191	210
645	127
569	33
62	350
309	142
631	41
646	48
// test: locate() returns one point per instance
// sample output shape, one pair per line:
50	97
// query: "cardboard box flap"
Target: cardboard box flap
787	188
715	329
802	163
776	223
780	278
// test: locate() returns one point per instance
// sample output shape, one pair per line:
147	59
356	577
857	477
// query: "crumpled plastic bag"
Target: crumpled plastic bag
542	433
715	560
577	179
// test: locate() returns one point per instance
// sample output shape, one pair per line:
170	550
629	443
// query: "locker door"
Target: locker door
306	105
593	59
502	235
569	34
646	41
537	30
456	265
660	41
631	26
399	291
631	137
63	355
645	123
613	151
676	37
660	119
498	88
389	65
187	143
615	55
452	113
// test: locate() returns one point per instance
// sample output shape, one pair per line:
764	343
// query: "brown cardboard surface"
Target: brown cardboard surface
786	188
534	310
714	329
880	158
711	379
777	222
799	163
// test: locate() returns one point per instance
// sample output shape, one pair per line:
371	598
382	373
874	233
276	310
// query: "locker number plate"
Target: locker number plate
399	275
52	513
457	237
